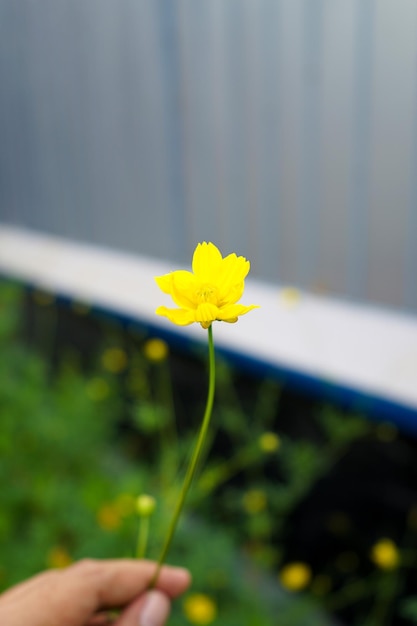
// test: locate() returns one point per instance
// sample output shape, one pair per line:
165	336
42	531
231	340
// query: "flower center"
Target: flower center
206	293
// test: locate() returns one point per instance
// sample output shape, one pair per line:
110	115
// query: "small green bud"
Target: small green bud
145	505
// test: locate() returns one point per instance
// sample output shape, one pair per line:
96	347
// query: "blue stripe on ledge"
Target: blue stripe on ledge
346	398
359	356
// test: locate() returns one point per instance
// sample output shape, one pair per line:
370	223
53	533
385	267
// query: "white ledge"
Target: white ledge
365	349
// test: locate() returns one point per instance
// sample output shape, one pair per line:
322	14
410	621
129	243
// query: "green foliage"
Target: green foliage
69	477
409	609
78	444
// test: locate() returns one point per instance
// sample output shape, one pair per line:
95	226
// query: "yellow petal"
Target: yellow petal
234	269
177	316
183	287
206	312
230	279
231	295
206	261
164	282
232	312
179	285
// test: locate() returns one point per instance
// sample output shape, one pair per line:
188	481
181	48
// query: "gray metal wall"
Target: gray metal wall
284	130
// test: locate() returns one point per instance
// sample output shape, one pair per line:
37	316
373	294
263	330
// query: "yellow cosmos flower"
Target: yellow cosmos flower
295	576
108	517
269	442
385	554
156	350
114	360
125	504
254	501
210	292
290	297
58	558
199	609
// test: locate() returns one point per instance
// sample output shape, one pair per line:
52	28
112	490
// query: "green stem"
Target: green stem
194	459
142	537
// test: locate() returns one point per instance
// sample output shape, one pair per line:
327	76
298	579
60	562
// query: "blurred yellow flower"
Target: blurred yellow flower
347	561
114	360
269	442
43	298
199	609
321	585
384	553
210	292
125	503
254	501
97	389
386	432
80	308
58	558
108	517
295	576
290	297
155	350
338	523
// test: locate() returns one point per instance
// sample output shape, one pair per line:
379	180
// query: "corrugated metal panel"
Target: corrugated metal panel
282	129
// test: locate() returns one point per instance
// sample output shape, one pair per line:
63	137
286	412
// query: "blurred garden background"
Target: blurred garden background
282	130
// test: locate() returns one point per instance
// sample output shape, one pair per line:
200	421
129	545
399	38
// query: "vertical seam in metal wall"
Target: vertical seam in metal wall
309	211
272	151
410	256
251	162
358	228
219	144
169	33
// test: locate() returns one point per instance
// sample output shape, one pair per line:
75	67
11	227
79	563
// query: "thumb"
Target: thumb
151	609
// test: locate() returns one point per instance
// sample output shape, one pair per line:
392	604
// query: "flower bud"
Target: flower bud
145	505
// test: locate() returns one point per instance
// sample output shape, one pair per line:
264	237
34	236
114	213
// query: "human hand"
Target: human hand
80	595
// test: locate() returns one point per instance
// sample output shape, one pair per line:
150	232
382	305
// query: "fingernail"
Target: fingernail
155	610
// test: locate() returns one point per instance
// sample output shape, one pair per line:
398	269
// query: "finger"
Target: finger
71	597
118	581
152	609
